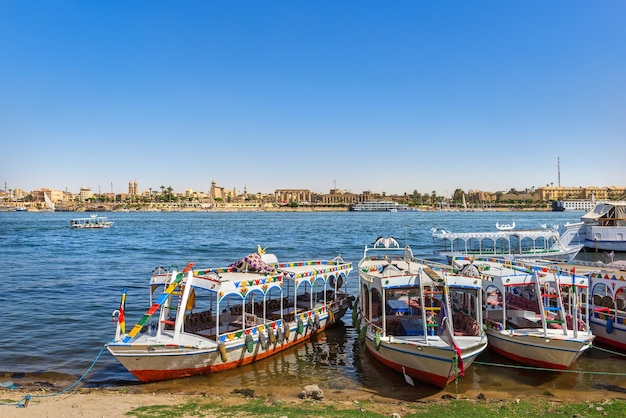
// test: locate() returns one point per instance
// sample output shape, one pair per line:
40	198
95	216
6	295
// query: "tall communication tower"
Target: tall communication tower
558	166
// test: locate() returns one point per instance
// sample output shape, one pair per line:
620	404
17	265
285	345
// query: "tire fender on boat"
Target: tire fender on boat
222	349
609	326
249	343
362	337
355	310
331	316
262	340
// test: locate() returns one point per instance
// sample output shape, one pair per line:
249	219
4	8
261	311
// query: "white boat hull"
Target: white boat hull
532	347
606	245
434	364
608	331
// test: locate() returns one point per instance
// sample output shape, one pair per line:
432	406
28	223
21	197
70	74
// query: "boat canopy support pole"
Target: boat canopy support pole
180	315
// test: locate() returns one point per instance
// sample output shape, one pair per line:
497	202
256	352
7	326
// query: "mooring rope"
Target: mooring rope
616	353
23	403
518	366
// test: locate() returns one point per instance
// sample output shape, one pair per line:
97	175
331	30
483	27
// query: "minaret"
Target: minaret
558	164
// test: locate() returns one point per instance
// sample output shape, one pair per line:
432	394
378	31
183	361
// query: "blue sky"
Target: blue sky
386	96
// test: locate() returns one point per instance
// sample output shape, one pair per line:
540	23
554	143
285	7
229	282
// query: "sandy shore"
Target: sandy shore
116	402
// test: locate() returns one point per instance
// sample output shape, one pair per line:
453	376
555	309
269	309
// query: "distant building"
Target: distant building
85	193
286	196
550	193
133	188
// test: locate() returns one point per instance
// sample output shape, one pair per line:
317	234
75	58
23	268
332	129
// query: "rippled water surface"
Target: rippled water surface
61	285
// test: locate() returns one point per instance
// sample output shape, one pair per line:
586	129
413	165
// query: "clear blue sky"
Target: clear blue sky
387	96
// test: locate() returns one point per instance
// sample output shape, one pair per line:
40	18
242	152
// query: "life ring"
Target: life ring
222	349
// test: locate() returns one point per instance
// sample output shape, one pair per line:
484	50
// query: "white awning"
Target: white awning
600	210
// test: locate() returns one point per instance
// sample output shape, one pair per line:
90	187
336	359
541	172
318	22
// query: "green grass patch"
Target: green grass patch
449	408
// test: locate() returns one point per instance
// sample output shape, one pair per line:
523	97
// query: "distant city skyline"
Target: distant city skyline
426	96
134	188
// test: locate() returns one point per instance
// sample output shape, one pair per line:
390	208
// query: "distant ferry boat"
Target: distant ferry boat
93	222
380	206
573	205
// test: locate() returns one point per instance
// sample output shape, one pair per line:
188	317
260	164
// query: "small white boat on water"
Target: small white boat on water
93	222
508	243
414	317
533	315
215	319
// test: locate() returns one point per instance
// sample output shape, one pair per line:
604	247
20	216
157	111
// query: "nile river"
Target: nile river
60	287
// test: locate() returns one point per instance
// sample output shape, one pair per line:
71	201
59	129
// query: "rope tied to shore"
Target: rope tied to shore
23	403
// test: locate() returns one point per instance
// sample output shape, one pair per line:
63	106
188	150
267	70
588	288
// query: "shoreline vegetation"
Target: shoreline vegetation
137	401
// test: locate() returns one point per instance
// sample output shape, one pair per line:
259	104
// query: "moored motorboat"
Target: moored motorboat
415	317
604	227
533	315
216	319
608	307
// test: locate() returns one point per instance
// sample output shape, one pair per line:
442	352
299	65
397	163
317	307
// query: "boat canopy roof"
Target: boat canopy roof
507	234
229	280
602	209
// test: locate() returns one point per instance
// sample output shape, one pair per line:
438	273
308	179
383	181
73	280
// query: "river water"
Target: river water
60	287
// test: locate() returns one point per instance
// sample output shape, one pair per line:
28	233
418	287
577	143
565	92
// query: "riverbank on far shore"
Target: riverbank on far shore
284	209
241	402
